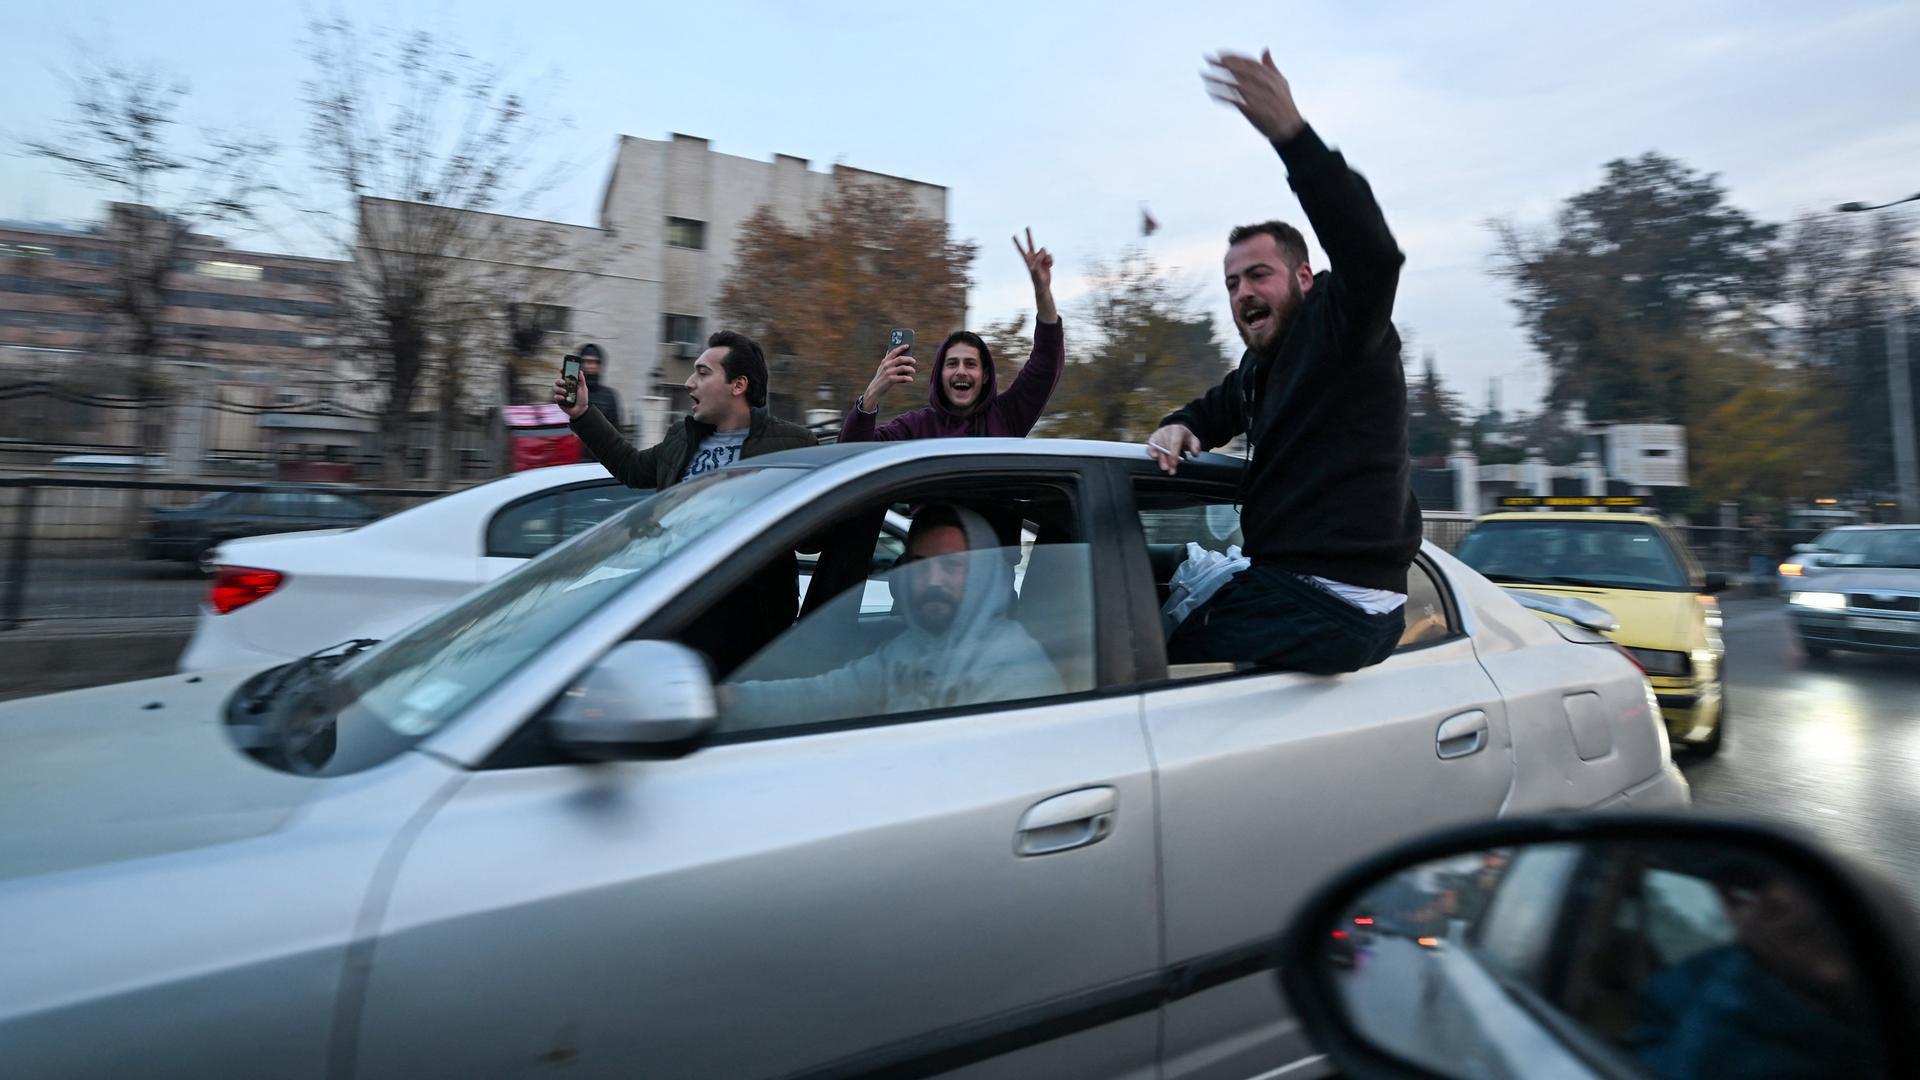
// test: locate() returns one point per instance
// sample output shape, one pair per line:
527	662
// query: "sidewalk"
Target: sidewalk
70	654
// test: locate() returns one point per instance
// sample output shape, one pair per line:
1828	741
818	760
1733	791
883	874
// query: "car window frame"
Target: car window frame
1114	674
1218	480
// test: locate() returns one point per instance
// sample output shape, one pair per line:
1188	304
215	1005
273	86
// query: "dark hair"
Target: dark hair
931	517
595	351
743	360
1293	246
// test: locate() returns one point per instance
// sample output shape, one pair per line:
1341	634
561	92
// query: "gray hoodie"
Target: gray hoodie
982	656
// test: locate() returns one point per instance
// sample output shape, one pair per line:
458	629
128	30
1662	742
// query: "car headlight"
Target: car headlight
1792	569
1661	662
1824	601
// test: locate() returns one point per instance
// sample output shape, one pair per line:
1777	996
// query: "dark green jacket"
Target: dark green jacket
763	608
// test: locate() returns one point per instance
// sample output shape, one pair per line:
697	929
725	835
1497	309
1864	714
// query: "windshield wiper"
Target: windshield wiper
292	726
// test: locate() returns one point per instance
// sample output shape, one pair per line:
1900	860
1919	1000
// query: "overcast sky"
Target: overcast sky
1067	116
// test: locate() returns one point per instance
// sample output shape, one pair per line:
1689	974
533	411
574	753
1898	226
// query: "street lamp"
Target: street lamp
1899	393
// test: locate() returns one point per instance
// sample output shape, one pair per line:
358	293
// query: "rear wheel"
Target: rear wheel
1814	650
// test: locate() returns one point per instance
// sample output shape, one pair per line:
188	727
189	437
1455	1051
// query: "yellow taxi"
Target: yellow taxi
1636	567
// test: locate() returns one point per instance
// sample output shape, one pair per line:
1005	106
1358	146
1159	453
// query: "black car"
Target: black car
188	532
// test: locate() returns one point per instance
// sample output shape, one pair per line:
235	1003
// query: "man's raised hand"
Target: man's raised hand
1258	90
560	391
895	367
1169	444
1039	267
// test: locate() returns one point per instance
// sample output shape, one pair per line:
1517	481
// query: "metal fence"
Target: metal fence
84	548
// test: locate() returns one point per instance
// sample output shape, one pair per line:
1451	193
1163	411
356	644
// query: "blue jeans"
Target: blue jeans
1276	619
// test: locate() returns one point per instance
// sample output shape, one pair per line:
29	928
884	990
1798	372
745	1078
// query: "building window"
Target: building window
681	330
687	233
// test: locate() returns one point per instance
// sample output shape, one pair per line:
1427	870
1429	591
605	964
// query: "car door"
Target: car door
848	894
1271	782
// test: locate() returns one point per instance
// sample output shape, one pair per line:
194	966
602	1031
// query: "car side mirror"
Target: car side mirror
642	699
1716	583
1605	945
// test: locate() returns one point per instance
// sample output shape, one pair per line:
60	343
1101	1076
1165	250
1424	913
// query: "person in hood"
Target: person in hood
963	397
728	422
1330	520
960	646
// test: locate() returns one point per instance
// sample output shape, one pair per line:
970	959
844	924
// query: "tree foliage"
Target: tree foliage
821	296
1139	349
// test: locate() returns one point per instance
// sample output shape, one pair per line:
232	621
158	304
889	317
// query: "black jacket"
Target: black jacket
603	397
1327	490
764	607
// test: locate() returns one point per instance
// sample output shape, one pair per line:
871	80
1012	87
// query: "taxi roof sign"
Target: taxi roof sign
1572	501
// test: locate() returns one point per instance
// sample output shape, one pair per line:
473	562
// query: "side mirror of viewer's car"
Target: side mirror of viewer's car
642	699
1607	945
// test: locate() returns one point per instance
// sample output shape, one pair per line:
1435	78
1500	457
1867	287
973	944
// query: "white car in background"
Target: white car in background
278	598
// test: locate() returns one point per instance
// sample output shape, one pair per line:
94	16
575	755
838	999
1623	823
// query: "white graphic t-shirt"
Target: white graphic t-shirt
720	449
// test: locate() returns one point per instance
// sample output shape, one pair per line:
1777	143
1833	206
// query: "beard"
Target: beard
935	609
1270	335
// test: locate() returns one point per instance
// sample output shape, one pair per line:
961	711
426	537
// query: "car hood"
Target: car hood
1861	579
130	771
1648	620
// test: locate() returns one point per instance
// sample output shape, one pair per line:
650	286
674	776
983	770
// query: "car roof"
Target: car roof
1568	515
833	453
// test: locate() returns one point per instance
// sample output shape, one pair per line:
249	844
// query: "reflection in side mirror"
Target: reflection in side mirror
642	699
1615	949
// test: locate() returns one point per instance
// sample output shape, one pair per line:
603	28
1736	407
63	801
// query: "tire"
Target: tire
1814	650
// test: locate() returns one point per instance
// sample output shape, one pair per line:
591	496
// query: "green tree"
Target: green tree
1147	350
1632	273
1434	414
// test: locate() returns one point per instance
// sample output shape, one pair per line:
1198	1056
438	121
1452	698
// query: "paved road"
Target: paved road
1831	745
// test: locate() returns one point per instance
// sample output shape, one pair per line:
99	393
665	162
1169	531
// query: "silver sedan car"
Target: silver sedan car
533	832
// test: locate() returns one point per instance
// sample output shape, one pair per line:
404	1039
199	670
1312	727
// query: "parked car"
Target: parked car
1864	595
276	598
532	829
1634	566
188	533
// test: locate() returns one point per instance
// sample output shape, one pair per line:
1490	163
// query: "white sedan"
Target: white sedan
276	598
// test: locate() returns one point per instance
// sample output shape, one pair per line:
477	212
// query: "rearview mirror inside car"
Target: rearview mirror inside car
1606	946
642	699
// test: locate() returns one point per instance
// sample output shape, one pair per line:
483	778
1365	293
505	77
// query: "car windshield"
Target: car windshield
397	695
1873	547
1602	554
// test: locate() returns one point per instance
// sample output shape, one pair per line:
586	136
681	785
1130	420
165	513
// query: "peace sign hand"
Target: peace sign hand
1040	267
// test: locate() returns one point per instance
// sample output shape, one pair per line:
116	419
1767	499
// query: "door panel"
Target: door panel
1269	784
767	906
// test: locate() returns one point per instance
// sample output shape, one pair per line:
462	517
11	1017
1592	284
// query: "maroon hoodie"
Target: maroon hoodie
1012	413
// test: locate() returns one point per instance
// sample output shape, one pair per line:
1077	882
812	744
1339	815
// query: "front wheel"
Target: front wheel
1814	650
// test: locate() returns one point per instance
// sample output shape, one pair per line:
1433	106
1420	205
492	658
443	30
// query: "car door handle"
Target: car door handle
1068	821
1461	735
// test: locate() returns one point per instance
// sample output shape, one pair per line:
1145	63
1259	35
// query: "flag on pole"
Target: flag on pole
1148	226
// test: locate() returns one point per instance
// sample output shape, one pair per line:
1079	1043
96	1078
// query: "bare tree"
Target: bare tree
123	135
429	149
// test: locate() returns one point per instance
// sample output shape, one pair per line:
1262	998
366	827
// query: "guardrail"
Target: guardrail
86	548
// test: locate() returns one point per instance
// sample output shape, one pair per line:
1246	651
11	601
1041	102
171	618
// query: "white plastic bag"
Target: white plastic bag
1197	579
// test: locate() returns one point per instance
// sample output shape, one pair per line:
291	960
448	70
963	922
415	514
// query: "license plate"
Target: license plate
1883	626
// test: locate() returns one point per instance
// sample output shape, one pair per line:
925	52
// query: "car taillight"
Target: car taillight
1788	569
1363	921
235	587
1339	934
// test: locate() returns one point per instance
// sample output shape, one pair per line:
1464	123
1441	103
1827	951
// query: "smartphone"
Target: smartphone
570	371
899	338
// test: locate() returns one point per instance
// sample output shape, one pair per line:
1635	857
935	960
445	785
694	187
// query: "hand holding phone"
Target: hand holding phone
895	367
568	391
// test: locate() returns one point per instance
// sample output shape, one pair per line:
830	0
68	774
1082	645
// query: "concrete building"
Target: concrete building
223	305
643	281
